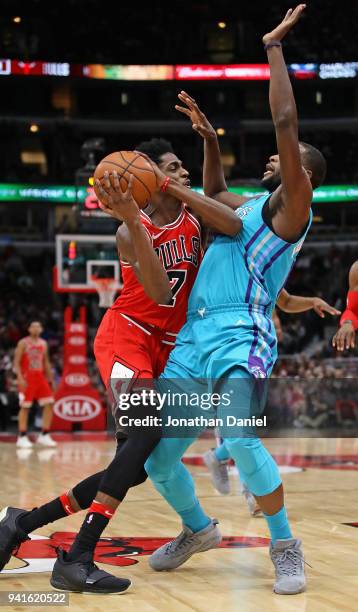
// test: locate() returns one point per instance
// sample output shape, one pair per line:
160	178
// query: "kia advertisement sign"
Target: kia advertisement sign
77	408
78	403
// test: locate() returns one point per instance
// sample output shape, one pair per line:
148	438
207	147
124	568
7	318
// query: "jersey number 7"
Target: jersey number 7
177	280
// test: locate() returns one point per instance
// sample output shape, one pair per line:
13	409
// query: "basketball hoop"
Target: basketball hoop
106	289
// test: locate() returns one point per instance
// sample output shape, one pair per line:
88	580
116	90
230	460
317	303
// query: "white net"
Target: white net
106	289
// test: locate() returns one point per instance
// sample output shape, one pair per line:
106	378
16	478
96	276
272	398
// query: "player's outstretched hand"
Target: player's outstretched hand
320	307
344	339
117	203
291	18
199	121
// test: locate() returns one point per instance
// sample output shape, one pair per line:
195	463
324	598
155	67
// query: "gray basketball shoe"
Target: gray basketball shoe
175	553
287	557
252	504
219	472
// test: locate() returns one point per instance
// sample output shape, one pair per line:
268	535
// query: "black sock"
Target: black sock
23	433
88	536
44	432
38	517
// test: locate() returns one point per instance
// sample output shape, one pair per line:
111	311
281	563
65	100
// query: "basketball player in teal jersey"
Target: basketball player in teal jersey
217	460
229	335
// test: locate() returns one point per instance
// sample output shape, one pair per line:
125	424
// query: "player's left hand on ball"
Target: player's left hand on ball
290	19
122	201
320	307
115	202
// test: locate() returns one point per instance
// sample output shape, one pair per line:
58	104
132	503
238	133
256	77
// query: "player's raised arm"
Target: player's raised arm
296	303
209	212
214	182
133	241
292	200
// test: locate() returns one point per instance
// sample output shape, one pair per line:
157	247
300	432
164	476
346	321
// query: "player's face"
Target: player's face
272	177
35	329
173	167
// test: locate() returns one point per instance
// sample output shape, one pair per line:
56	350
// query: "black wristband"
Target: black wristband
272	43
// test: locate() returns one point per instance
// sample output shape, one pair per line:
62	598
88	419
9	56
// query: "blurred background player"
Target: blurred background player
217	460
35	383
345	337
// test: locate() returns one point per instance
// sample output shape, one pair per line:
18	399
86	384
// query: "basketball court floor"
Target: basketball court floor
320	478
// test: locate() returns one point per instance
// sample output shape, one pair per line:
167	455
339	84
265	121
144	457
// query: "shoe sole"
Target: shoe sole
257	513
3	513
4	560
46	445
279	592
209	546
58	587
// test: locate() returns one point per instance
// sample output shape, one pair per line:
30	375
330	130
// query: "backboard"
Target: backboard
80	257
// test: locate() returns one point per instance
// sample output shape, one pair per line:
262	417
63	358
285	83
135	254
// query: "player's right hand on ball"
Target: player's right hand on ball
344	339
117	203
199	121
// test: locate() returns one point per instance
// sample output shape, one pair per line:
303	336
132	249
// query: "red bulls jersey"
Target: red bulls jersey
179	248
33	357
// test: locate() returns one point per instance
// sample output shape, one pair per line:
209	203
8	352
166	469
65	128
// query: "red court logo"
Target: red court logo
39	553
77	408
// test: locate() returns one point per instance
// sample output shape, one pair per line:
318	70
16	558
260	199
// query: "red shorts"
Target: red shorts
127	349
37	388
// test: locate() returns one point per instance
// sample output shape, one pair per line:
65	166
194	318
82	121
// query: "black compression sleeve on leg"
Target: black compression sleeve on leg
127	468
85	491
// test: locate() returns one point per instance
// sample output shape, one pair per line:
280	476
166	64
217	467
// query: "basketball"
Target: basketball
126	163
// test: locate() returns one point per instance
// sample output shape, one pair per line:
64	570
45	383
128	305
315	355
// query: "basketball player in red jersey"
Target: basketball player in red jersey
345	338
160	251
35	382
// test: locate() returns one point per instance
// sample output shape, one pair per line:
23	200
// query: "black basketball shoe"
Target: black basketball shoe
11	536
83	576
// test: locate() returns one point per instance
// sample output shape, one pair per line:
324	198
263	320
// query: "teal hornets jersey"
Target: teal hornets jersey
248	270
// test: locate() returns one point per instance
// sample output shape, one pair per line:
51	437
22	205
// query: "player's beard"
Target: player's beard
271	182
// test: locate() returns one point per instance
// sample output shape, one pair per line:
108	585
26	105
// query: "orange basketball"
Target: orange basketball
126	163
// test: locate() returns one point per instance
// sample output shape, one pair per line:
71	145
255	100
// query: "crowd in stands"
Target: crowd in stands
314	393
157	34
312	375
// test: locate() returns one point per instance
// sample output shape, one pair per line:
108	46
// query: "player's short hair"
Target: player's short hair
313	160
155	148
34	321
